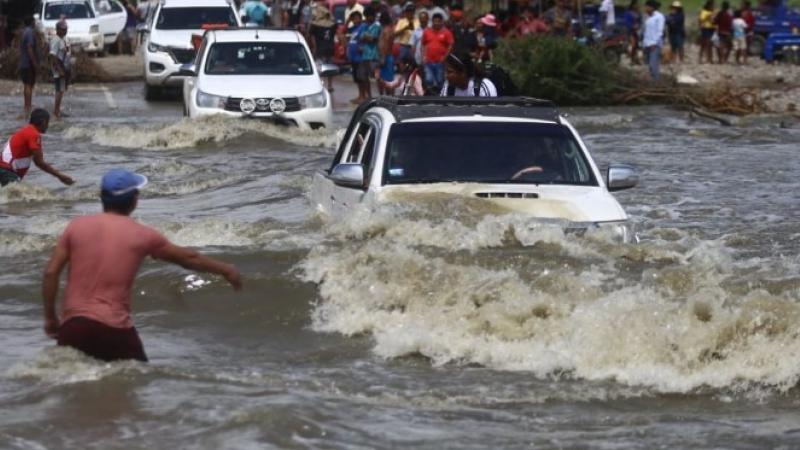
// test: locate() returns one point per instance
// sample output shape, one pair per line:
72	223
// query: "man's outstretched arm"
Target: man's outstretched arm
190	259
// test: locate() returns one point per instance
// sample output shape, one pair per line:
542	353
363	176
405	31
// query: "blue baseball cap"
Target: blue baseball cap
120	182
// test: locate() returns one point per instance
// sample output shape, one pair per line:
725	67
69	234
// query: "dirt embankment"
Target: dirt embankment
777	84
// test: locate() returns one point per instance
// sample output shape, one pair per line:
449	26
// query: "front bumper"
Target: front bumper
160	69
306	119
90	42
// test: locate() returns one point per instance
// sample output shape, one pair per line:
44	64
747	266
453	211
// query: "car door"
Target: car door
111	16
361	150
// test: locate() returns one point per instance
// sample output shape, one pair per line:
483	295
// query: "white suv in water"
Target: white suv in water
519	154
168	41
258	73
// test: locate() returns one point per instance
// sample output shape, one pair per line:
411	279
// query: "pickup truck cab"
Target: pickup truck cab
518	153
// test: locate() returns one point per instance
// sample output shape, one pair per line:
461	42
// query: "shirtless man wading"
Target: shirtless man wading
104	252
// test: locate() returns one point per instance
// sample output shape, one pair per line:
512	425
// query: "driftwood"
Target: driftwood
705	102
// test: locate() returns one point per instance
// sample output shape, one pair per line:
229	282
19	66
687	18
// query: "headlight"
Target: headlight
155	48
94	29
622	231
210	101
318	100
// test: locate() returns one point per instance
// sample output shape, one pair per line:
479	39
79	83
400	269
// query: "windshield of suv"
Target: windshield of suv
485	152
194	18
258	58
70	10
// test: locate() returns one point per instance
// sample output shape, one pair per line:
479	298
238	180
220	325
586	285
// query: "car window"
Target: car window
353	152
258	58
198	59
194	18
488	152
116	7
70	10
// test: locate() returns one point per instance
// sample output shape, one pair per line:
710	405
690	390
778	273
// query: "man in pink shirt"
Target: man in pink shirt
104	252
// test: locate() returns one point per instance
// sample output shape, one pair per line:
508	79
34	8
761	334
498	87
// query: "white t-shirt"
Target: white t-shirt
487	89
608	7
739	27
59	49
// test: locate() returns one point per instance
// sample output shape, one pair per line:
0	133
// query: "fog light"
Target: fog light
156	67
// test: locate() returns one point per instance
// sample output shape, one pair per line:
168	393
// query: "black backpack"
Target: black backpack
501	80
498	76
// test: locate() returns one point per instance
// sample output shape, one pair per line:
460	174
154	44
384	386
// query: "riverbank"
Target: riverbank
778	85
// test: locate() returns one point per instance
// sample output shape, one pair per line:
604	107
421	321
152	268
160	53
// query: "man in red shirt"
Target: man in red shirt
26	146
437	43
104	252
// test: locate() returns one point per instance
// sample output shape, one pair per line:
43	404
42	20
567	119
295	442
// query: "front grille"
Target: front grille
182	55
262	104
507	195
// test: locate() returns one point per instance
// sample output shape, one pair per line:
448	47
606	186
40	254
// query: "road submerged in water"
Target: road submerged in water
434	325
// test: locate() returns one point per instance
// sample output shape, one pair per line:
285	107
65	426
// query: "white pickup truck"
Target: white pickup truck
518	153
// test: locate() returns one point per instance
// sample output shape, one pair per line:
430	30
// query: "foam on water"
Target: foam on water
193	132
64	365
32	193
670	314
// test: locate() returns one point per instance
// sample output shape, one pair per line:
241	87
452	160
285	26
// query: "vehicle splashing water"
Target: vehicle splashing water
436	322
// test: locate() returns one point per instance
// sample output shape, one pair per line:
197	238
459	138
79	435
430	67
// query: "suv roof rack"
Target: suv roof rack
404	108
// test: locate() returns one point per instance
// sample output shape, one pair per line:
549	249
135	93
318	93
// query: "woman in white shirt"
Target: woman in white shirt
461	80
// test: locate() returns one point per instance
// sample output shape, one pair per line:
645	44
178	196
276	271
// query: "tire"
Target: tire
756	47
151	93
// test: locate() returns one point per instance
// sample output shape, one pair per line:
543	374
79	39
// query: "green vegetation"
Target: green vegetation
563	71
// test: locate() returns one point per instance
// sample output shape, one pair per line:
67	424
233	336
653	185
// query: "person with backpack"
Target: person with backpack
461	79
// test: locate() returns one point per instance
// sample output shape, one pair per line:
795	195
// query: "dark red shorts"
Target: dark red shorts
101	341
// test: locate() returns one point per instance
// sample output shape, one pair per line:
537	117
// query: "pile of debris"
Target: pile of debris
84	68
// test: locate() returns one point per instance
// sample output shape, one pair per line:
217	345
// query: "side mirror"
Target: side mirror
328	70
621	176
187	70
348	175
36	17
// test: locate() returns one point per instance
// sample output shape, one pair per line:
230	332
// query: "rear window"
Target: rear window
194	18
70	10
485	152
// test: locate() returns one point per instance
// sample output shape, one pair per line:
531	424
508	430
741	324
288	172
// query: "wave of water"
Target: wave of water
194	132
676	313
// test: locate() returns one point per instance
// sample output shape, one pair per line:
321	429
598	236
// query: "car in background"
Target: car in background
258	73
168	38
112	16
84	25
517	153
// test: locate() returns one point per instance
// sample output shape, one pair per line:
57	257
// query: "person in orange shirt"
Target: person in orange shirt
104	252
26	146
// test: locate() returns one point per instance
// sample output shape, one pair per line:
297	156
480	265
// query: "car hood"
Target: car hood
573	203
174	38
259	86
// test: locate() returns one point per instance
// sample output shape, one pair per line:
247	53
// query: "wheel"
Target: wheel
151	92
756	47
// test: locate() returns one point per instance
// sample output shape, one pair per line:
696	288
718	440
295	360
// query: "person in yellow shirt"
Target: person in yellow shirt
707	27
405	29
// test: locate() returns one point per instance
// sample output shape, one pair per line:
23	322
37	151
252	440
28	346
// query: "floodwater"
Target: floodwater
435	325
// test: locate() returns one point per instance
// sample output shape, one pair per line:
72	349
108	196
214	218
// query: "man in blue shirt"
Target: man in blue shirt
653	37
28	62
256	12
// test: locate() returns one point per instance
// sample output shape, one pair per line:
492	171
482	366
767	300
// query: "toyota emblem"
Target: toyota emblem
247	105
277	105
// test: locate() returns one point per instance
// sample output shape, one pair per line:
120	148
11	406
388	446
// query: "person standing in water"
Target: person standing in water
25	146
104	252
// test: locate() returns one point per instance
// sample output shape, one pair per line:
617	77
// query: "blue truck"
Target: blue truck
773	16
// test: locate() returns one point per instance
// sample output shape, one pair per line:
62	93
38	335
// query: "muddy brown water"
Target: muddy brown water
436	325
